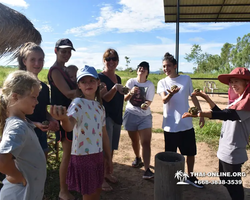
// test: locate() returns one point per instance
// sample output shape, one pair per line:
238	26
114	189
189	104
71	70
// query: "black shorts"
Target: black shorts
184	140
61	134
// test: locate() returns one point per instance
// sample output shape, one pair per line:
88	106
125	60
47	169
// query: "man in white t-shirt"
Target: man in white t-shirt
178	132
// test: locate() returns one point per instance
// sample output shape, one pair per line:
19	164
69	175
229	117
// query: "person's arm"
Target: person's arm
197	105
109	95
8	167
62	85
128	96
205	97
60	113
42	127
166	97
226	114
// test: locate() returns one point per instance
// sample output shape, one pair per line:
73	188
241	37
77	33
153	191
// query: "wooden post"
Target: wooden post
165	183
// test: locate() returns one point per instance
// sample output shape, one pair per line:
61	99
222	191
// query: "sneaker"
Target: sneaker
194	181
148	174
137	163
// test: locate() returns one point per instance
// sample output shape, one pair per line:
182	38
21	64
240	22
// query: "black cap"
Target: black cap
144	64
64	43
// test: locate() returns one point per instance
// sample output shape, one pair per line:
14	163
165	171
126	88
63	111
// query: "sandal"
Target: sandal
110	178
106	187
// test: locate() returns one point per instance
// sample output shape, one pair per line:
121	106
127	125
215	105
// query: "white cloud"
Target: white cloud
140	16
45	28
200	27
131	17
164	40
19	3
196	39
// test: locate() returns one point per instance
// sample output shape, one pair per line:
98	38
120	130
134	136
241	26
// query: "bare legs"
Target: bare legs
94	196
143	136
190	164
64	192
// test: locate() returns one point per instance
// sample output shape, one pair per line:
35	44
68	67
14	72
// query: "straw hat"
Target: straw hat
239	72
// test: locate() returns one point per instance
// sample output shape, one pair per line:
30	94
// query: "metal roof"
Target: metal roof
207	10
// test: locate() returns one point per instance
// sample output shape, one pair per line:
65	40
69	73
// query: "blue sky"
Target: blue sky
135	28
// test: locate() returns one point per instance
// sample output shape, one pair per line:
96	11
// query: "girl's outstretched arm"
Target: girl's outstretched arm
197	105
60	113
106	149
206	97
8	167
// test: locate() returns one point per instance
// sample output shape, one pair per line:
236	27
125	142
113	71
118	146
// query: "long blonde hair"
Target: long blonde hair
19	82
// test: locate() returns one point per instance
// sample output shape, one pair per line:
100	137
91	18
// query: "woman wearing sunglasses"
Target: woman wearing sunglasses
113	102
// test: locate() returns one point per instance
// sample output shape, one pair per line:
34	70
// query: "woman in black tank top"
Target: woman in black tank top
62	92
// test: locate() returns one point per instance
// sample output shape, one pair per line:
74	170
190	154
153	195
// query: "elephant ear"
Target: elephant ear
15	31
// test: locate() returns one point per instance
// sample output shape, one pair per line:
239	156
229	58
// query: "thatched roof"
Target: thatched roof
15	30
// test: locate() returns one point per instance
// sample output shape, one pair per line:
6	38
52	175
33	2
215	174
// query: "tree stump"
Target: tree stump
165	183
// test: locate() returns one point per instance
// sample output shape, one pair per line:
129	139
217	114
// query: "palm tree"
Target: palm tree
178	174
15	30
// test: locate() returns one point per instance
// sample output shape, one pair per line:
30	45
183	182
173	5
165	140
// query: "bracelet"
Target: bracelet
170	95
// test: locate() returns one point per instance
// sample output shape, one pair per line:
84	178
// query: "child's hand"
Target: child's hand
42	127
58	112
16	180
187	114
53	125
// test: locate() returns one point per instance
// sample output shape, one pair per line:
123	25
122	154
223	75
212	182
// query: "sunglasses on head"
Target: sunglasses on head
111	58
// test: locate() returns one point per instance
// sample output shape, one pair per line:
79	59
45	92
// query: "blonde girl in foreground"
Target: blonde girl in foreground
21	156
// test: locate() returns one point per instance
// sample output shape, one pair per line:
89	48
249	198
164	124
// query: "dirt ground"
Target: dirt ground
131	186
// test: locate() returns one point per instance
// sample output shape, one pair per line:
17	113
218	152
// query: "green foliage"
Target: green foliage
210	133
231	56
125	76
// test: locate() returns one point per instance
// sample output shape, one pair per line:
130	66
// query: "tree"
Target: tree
240	54
127	61
206	63
226	58
231	56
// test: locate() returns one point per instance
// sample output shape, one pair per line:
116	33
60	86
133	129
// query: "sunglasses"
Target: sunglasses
109	58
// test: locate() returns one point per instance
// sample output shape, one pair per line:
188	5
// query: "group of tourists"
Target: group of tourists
86	114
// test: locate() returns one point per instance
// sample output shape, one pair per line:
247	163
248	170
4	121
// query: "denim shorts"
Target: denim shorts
114	132
132	122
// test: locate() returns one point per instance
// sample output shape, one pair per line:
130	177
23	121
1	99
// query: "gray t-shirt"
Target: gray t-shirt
20	140
234	138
